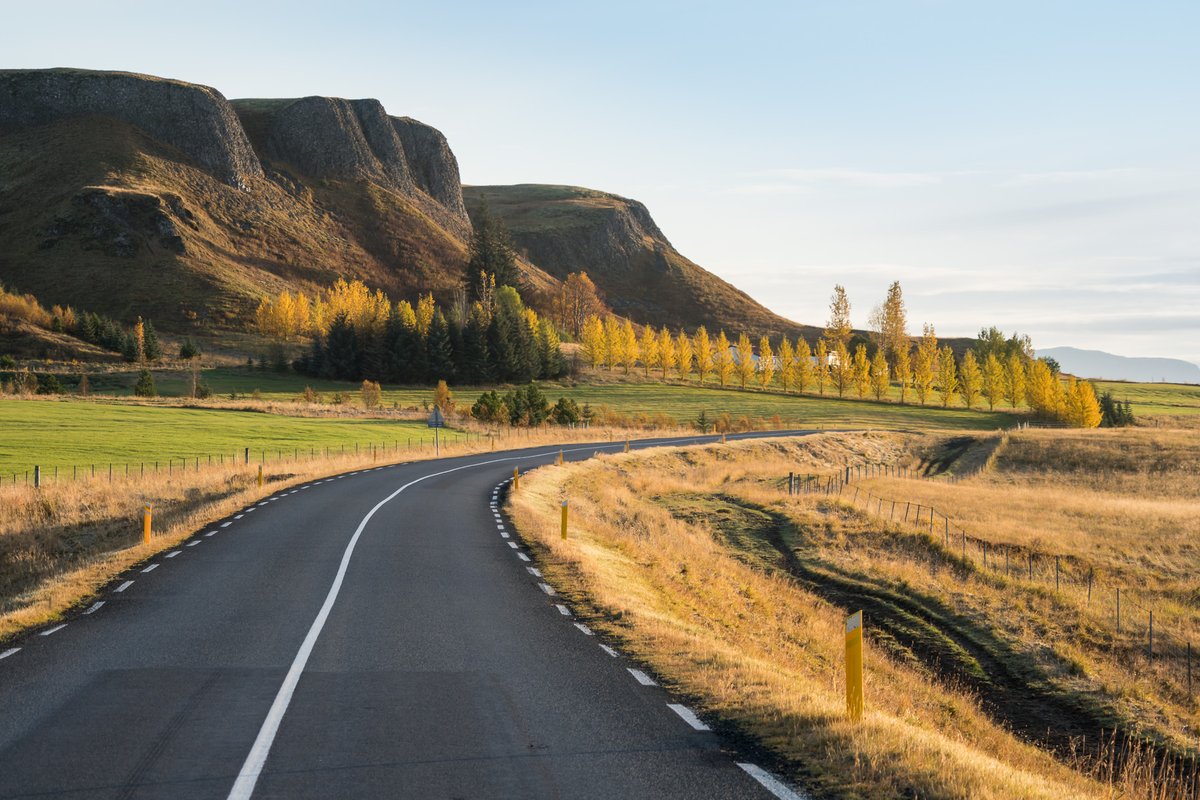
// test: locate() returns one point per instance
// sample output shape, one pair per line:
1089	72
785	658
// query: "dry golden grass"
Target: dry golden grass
753	647
61	543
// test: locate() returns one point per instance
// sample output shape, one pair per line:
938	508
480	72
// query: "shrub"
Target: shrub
371	394
565	411
145	385
7	362
49	384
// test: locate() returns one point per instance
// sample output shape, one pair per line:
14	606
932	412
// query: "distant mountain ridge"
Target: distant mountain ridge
1106	366
129	195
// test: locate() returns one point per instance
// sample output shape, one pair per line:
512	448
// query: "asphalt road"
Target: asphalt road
379	634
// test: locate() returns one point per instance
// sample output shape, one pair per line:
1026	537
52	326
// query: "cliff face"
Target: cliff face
196	120
356	141
433	164
564	229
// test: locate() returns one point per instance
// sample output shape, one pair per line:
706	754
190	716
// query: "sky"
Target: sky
1029	165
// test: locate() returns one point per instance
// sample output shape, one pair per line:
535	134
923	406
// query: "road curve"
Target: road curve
377	634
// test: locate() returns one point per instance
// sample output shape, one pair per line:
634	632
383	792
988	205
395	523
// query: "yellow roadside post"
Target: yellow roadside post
854	666
560	458
516	479
146	523
626	444
260	478
722	438
564	519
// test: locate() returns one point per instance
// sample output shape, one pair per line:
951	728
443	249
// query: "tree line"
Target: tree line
997	370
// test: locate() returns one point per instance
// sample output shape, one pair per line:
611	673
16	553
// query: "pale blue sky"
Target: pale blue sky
1027	164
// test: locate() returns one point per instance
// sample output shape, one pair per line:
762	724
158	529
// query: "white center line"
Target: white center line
547	588
173	553
55	629
688	716
123	586
10	651
641	677
610	651
151	568
94	607
243	787
770	782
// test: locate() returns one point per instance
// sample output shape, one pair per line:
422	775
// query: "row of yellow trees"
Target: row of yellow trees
288	316
927	371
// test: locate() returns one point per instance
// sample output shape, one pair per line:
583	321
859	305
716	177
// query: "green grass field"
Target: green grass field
1153	399
67	433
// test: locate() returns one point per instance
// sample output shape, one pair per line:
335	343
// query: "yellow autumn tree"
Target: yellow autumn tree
926	364
629	346
879	374
614	343
841	369
1014	380
903	373
993	380
766	363
704	353
592	340
685	354
861	371
970	379
805	369
947	377
648	344
722	359
666	351
744	369
821	365
787	363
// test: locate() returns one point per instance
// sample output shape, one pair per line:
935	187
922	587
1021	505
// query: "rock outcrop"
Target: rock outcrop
432	162
356	140
196	120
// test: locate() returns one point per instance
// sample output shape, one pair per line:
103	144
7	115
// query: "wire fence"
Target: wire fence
36	476
1135	627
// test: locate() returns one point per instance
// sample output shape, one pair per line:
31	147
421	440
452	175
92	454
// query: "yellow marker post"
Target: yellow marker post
260	477
516	479
722	438
564	519
854	666
560	457
146	524
627	444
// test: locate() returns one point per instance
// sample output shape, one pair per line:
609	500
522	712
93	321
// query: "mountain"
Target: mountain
135	195
1101	365
566	229
132	195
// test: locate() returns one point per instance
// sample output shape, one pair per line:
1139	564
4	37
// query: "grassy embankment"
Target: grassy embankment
734	593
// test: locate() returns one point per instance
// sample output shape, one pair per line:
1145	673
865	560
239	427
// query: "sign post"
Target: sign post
854	666
436	420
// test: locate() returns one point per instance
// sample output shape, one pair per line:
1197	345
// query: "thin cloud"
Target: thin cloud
1067	176
868	179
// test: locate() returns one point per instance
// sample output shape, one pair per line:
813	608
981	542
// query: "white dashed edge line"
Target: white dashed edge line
770	782
610	651
566	612
12	651
641	677
584	629
172	554
226	524
547	588
513	545
210	533
123	586
94	607
192	544
688	716
55	629
522	556
238	516
151	568
534	571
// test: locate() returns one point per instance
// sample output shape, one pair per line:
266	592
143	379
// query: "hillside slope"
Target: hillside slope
565	229
1101	365
133	195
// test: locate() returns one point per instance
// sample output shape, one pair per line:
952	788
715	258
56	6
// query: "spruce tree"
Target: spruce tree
341	350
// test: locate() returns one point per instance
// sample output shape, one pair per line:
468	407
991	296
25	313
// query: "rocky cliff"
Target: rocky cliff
564	229
196	120
355	140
